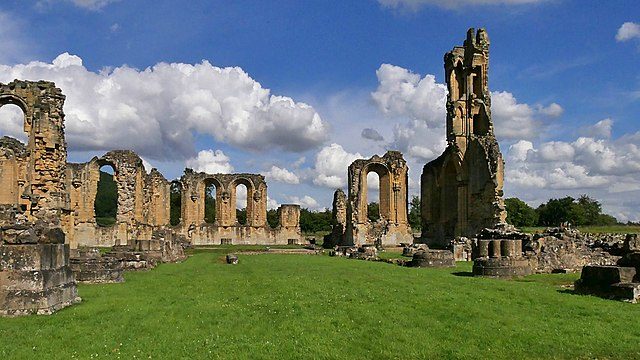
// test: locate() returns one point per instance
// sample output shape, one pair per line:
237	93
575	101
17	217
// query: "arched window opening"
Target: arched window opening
373	201
175	203
210	202
241	204
477	82
481	123
13	139
459	76
12	123
106	204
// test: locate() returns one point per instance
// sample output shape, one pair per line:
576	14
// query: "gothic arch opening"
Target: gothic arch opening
241	204
175	203
373	196
211	188
12	147
384	188
457	82
106	201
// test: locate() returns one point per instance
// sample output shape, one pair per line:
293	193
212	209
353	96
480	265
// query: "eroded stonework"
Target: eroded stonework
33	176
392	228
37	181
338	219
35	277
226	229
462	189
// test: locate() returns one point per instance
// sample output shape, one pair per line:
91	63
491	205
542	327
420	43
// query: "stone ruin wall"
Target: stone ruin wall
461	190
140	201
226	229
393	227
33	175
38	184
35	277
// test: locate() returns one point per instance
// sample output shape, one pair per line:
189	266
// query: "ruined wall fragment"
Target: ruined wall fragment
392	228
462	189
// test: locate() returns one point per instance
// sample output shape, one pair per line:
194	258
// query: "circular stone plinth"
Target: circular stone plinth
501	267
433	258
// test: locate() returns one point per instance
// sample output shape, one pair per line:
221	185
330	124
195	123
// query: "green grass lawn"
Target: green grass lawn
296	306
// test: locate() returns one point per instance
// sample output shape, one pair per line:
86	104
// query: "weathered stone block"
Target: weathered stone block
35	279
602	277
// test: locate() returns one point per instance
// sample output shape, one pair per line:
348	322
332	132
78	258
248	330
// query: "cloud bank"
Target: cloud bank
158	111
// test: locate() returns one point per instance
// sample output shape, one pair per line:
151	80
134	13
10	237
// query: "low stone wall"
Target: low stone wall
89	266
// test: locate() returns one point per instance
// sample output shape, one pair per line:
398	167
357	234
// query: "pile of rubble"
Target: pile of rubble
620	281
91	266
421	255
568	250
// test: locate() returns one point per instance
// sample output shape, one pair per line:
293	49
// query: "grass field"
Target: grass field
296	306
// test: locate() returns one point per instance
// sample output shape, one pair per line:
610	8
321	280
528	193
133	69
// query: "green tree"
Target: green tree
555	211
175	196
241	216
373	211
582	211
209	205
415	220
587	211
272	218
315	221
519	213
106	204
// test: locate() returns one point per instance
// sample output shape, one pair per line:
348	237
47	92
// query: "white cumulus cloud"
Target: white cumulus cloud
281	175
331	166
157	111
305	201
601	129
628	31
210	161
403	93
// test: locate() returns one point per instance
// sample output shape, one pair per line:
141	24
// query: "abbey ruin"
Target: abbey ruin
461	190
48	227
47	210
352	225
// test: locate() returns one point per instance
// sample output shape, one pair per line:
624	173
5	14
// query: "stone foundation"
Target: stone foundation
501	267
433	258
498	253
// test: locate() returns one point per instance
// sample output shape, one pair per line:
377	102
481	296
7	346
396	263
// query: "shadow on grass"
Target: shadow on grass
463	273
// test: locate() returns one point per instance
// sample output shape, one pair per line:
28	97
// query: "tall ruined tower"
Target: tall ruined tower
469	100
462	189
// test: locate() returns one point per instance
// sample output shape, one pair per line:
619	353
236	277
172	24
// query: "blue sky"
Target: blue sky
564	73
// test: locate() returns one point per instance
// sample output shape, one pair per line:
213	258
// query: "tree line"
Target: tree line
578	212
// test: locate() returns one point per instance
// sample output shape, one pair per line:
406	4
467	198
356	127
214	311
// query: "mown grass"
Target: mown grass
292	306
613	229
